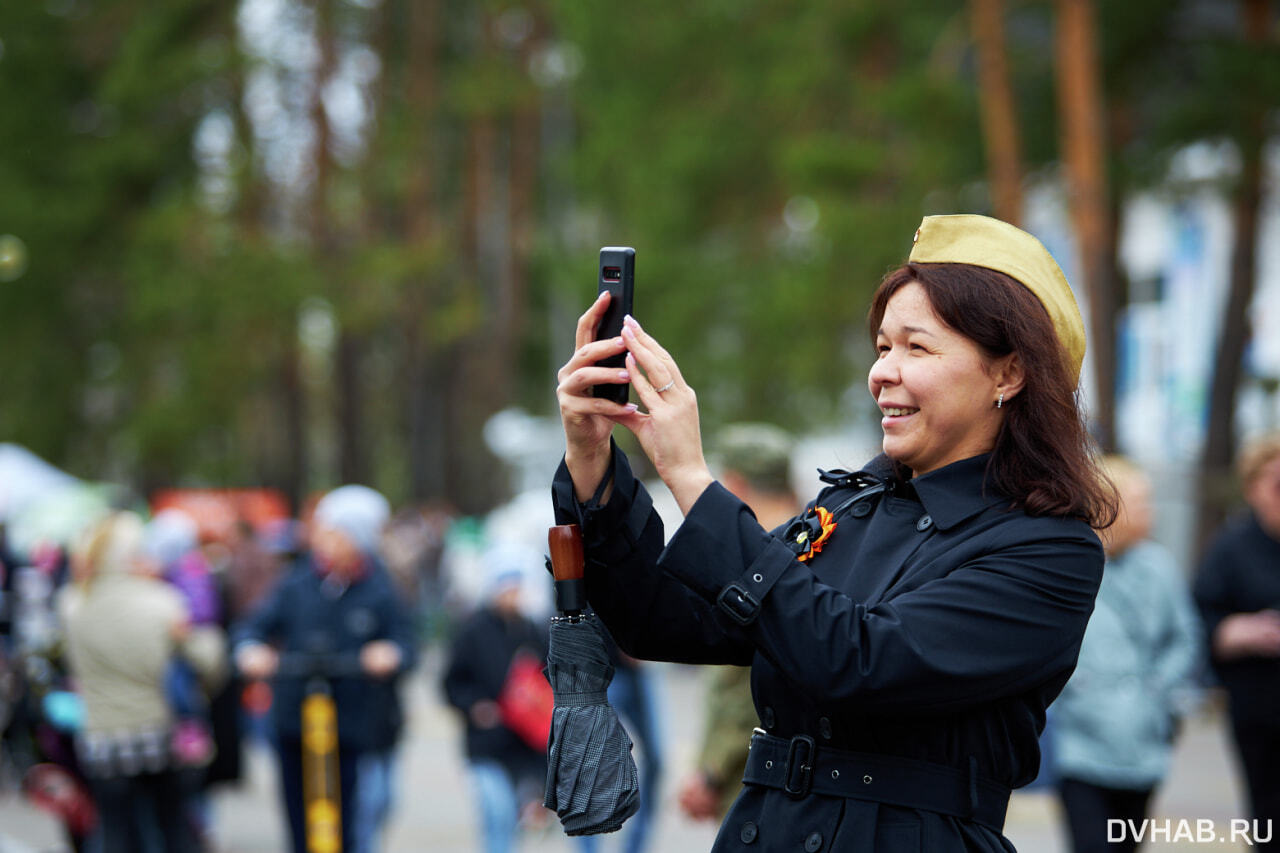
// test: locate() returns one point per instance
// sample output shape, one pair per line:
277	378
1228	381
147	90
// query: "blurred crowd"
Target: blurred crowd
139	656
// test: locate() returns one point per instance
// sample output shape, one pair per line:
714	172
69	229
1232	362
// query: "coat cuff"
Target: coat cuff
610	532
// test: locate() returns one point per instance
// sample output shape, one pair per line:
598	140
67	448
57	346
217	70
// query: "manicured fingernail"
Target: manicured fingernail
622	374
630	321
617	342
630	407
601	295
628	333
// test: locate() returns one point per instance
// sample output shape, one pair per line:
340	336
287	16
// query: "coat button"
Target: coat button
862	509
813	843
767	718
824	728
925	522
749	832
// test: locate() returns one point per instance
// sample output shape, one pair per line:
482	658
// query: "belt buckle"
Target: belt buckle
800	769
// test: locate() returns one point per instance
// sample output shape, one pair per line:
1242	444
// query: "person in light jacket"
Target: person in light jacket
908	630
1114	724
124	628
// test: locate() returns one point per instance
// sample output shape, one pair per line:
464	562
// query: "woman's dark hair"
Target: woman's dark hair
1043	457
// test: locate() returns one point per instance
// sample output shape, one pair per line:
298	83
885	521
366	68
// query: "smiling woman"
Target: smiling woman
1000	377
901	671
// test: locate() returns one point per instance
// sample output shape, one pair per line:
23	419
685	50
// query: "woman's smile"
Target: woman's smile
895	413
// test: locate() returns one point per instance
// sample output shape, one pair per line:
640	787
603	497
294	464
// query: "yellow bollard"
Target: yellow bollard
321	793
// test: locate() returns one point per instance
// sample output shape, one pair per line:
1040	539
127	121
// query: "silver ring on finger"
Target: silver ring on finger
666	387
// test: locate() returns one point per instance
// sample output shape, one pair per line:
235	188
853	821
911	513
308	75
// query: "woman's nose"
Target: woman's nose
884	371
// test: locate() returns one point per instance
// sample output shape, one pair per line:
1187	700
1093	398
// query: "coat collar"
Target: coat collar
951	494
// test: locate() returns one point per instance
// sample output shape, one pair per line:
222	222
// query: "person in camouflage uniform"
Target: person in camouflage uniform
755	462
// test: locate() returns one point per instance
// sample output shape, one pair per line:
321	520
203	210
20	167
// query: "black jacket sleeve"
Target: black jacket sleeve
463	682
650	614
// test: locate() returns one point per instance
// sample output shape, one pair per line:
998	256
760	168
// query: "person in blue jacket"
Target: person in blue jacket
906	632
336	613
1115	723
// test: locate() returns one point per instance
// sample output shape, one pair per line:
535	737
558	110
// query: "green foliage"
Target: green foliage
698	127
769	161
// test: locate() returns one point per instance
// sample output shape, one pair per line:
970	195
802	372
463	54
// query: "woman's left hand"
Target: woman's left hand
668	429
380	658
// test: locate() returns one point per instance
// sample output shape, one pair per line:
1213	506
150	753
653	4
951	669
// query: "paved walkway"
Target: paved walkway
435	813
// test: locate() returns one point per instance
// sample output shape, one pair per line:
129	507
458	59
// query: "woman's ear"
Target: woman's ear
1009	376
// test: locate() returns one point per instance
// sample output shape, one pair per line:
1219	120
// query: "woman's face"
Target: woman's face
1263	496
935	388
1133	524
334	550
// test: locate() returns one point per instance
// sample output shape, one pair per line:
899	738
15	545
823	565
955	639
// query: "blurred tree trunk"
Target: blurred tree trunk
424	397
348	397
474	378
349	402
1084	153
999	113
1220	445
284	436
523	179
294	400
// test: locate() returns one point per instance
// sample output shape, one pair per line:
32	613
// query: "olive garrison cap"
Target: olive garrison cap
996	245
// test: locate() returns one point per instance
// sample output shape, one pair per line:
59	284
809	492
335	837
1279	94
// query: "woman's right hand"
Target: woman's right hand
588	421
1248	635
257	661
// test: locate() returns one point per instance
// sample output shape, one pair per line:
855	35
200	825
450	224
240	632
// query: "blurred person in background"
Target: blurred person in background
124	627
755	465
253	565
44	712
1115	723
1238	592
172	542
337	605
491	646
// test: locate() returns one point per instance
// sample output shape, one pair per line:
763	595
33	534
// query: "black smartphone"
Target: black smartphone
617	275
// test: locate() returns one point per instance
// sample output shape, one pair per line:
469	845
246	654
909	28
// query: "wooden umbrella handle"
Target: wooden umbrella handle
567	561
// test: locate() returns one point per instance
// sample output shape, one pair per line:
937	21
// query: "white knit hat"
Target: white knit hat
358	512
171	535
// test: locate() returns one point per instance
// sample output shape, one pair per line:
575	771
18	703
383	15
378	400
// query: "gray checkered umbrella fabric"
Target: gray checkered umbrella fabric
591	776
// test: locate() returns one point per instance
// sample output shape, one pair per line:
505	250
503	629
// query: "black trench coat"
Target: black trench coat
929	634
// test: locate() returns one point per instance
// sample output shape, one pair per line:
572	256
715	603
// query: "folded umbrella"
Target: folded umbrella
592	782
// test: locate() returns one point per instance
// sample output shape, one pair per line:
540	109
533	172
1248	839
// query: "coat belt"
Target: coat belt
799	767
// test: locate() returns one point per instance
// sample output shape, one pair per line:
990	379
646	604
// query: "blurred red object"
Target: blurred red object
216	511
527	702
55	790
256	697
